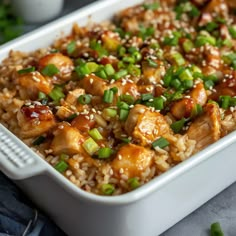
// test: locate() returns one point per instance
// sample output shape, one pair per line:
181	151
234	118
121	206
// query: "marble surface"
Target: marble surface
221	208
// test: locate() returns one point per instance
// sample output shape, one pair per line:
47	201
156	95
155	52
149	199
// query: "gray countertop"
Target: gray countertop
221	208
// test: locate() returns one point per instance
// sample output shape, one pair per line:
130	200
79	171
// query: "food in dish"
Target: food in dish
113	105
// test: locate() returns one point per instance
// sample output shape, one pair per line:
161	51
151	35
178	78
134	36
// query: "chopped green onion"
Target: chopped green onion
121	73
56	94
92	66
127	98
50	70
121	51
26	70
39	140
98	48
175	83
101	73
225	101
188	45
108	96
146	96
71	47
71	117
109	112
105	152
114	90
178	58
133	183
158	103
216	229
95	134
208	84
123	105
123	114
187	84
197	110
186	75
134	70
151	6
203	39
178	125
64	157
194	11
232	31
128	59
84	99
41	95
90	146
171	41
168	77
82	70
161	143
211	26
109	69
146	32
152	63
137	56
107	189
61	166
125	140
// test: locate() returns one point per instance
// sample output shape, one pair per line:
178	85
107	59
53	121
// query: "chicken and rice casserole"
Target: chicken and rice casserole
113	105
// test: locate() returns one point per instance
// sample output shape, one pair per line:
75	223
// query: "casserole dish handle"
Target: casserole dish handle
17	161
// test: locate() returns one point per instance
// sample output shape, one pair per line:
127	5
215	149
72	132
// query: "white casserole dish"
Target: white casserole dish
149	210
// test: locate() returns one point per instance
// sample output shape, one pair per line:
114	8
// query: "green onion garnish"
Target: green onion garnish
216	229
123	105
41	95
152	63
232	31
56	94
90	146
208	84
188	45
134	70
92	66
101	73
39	140
127	98
197	110
151	6
146	32
137	56
95	134
121	73
128	59
105	152
133	183
161	143
71	47
107	189
146	96
61	166
178	125
26	70
175	83
64	157
108	96
225	101
123	114
178	58
203	39
109	69
84	99
186	75
71	117
158	103
109	112
82	70
50	70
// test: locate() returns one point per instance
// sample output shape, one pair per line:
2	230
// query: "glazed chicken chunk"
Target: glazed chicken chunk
206	128
132	160
145	125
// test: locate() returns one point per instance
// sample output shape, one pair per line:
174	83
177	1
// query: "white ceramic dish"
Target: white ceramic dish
149	210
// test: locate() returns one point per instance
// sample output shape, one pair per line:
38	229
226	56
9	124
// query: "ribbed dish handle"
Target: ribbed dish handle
17	161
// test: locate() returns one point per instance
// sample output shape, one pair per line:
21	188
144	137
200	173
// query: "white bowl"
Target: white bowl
37	11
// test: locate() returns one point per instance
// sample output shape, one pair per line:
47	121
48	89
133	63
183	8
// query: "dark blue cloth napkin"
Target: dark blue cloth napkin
19	217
